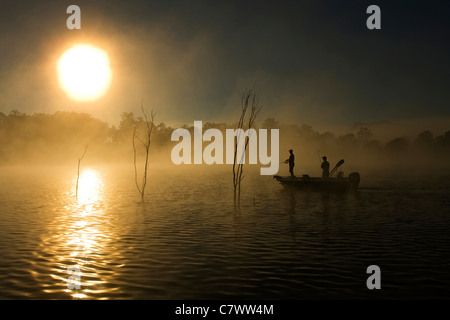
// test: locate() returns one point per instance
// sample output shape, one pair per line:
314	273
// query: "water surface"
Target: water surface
188	241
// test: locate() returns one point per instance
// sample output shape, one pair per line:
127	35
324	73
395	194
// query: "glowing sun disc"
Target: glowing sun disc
84	72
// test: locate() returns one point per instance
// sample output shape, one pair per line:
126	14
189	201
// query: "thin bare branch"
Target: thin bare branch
248	100
78	170
149	125
134	160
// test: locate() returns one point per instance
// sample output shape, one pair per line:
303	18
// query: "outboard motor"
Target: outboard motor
354	179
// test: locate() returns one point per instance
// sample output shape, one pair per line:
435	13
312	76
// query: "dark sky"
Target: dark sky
310	61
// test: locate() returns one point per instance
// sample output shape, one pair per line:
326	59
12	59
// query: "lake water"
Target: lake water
188	241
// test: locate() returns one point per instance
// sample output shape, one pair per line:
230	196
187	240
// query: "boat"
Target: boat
338	183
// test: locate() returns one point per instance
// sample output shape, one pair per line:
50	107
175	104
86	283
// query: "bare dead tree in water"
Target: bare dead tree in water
78	171
251	107
149	125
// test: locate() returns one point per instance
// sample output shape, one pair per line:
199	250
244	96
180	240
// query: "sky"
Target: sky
311	62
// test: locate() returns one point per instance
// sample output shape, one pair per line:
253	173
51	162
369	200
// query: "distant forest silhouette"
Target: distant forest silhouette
52	138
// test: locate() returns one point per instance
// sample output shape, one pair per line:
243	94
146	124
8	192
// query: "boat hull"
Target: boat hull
311	183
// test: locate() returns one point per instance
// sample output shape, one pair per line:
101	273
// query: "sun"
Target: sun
84	72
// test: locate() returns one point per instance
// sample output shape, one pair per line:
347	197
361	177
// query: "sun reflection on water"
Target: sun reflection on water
89	186
79	240
84	240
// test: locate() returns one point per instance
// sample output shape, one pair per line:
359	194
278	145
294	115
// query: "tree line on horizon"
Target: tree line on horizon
62	136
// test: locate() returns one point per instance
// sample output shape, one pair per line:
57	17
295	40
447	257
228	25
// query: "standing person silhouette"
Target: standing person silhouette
325	168
291	162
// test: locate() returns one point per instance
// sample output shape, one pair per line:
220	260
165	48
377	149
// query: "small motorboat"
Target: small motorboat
339	183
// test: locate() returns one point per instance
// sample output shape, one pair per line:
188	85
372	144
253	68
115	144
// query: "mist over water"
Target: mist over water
188	241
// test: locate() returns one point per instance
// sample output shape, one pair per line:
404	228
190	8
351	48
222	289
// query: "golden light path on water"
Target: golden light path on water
78	242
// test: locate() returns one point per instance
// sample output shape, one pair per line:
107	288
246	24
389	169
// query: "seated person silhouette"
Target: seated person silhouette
325	168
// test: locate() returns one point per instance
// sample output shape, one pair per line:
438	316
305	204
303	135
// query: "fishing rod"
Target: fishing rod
340	163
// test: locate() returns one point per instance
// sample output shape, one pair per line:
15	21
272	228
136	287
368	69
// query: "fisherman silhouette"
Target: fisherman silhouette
291	162
325	168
